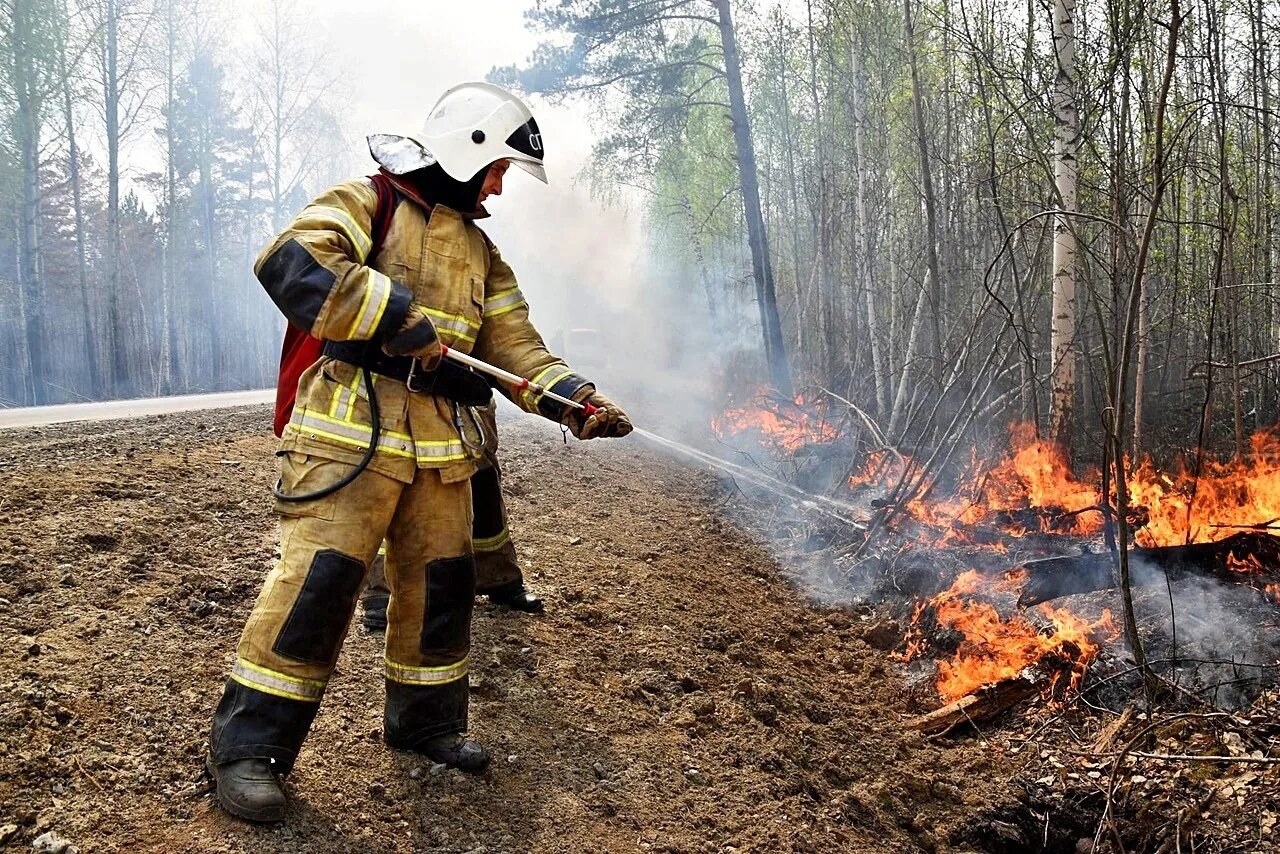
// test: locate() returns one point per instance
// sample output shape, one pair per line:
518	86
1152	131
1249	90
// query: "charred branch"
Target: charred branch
1248	558
981	705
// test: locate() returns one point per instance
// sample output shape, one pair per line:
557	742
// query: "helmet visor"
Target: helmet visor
533	168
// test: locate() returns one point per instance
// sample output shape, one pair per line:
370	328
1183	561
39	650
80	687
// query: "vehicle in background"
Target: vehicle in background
582	348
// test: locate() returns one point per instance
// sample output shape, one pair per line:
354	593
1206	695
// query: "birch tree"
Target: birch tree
1066	145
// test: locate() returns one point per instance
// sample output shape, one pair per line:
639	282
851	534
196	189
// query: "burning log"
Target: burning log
1251	558
981	704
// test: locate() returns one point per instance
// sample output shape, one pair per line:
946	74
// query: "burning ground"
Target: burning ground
683	693
991	582
1019	528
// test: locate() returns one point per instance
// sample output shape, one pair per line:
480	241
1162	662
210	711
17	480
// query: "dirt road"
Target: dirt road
35	416
677	696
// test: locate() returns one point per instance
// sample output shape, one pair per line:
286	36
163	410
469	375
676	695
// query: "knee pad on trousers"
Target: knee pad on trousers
451	590
322	610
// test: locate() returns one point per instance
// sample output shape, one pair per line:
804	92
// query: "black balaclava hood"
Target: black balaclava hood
437	188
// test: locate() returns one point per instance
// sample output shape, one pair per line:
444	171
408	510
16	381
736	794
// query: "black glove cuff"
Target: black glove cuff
566	387
413	339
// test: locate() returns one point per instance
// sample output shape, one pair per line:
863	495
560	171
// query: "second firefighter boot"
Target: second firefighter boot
517	598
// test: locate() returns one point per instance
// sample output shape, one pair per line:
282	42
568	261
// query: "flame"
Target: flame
1033	488
785	426
995	649
1228	495
1247	564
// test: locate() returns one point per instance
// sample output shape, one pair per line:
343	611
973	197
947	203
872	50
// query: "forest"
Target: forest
150	147
962	214
955	215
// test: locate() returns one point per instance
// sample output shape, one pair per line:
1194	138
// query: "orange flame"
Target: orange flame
786	427
995	649
1034	485
1033	488
1229	493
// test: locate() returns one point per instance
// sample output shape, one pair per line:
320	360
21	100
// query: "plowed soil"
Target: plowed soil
678	695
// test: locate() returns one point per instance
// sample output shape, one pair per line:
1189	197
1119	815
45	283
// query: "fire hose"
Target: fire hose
822	504
520	384
819	503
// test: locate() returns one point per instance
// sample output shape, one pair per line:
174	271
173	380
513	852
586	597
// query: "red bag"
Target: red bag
300	351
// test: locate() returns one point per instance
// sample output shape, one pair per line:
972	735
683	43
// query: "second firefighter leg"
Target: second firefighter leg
497	570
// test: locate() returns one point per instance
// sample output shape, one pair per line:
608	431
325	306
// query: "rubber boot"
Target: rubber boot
517	598
374	605
249	789
456	752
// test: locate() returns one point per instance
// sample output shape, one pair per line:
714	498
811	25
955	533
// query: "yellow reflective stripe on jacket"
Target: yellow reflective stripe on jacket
503	301
278	684
335	219
546	379
530	401
406	675
491	544
376	297
441	450
342	404
358	436
460	327
351	433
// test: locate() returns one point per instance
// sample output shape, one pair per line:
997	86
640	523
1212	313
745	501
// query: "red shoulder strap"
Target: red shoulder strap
388	199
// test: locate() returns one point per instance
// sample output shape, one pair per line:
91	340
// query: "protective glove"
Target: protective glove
607	422
417	337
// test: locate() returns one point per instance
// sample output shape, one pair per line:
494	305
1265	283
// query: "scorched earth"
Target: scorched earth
679	695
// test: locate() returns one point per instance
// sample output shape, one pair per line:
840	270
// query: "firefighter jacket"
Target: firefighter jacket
320	276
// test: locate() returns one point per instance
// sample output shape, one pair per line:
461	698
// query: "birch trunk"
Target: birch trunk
1066	143
88	353
862	241
170	204
111	101
27	121
933	294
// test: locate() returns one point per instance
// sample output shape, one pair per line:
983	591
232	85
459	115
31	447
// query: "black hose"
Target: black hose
360	466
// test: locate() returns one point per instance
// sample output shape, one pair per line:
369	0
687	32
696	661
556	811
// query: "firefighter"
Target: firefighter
382	442
498	574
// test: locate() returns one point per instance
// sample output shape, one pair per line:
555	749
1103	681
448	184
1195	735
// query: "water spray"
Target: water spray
818	503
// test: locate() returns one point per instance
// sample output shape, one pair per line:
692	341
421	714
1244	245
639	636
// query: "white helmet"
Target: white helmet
470	127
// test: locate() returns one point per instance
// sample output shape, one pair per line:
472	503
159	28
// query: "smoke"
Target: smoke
622	307
1217	640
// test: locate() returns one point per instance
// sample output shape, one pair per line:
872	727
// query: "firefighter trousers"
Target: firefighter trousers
497	568
292	638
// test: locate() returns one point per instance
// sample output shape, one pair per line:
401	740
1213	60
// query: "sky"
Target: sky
397	57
